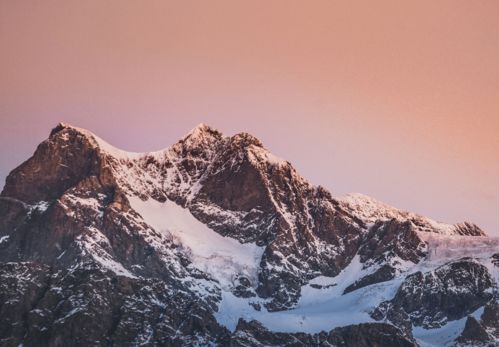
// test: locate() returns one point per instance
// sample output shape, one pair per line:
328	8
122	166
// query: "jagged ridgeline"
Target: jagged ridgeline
215	241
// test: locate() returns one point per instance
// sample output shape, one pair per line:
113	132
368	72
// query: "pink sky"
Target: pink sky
395	100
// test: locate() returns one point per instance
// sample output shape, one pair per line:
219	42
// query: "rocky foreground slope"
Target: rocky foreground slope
215	241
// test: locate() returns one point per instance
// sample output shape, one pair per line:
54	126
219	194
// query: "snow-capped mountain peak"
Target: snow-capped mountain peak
216	231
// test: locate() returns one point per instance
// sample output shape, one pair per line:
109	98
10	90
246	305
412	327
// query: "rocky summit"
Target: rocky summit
215	241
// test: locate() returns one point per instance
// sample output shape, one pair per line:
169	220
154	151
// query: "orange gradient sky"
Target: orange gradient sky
395	100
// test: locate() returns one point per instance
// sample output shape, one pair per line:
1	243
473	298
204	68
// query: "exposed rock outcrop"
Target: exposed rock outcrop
430	299
362	335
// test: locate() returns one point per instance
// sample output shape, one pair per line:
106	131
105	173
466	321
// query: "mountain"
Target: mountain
215	241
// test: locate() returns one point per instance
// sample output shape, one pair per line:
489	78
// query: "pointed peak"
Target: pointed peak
202	128
201	134
64	131
59	127
66	126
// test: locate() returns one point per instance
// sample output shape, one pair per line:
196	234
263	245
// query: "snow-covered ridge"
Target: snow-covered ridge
212	143
198	136
101	144
371	210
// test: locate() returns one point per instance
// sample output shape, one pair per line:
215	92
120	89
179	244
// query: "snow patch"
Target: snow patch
257	154
40	206
221	257
371	210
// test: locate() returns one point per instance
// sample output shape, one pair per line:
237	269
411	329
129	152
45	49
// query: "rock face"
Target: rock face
104	247
473	333
90	307
431	299
469	229
388	243
483	332
362	335
383	274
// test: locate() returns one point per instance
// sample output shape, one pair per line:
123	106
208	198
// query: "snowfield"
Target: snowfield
221	257
319	309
